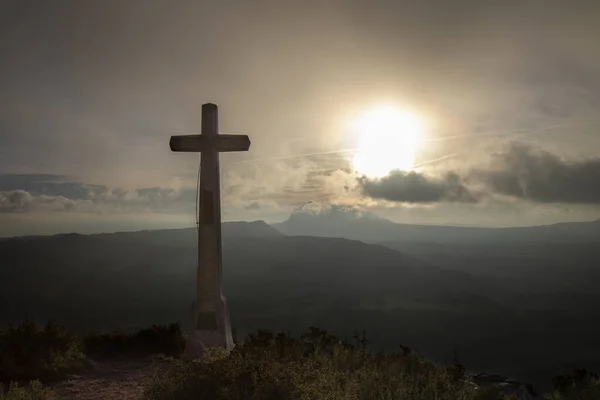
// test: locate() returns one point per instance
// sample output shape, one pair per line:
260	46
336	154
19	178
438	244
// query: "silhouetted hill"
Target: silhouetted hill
121	269
527	267
351	223
231	228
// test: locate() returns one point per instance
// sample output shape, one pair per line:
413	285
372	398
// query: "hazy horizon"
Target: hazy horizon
100	227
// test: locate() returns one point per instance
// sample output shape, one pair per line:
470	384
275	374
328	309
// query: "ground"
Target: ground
110	379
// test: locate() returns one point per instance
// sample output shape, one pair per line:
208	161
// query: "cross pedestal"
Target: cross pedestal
210	318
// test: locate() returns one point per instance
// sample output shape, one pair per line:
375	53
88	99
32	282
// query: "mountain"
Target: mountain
140	270
351	223
230	228
257	229
338	221
189	236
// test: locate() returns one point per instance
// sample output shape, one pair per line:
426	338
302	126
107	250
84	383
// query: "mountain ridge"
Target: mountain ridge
258	228
352	224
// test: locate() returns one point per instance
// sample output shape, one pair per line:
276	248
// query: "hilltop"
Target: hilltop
151	365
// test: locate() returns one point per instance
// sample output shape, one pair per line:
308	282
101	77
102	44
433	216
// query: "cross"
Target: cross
210	318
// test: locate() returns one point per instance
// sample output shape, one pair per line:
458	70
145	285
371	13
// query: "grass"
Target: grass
33	391
315	365
31	356
29	352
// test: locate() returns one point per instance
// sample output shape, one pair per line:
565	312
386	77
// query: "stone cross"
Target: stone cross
210	317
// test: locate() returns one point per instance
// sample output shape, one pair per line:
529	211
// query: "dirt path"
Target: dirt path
110	380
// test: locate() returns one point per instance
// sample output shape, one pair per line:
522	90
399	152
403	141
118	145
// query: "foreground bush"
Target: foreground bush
159	339
316	366
28	352
577	385
34	391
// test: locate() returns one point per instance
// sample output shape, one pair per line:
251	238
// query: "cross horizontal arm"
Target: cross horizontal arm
200	143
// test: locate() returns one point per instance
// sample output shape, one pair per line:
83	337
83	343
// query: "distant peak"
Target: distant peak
70	234
250	228
257	222
338	212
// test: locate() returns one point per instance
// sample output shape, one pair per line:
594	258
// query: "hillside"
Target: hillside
129	270
134	279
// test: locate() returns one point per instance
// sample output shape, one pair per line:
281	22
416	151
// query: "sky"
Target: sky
91	92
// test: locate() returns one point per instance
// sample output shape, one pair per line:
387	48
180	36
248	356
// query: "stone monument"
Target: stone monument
210	318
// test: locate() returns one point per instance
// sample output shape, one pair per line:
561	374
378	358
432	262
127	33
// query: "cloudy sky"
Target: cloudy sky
90	92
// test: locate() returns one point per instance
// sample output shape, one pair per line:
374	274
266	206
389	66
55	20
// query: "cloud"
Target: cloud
525	172
44	192
22	201
415	187
255	188
280	184
520	171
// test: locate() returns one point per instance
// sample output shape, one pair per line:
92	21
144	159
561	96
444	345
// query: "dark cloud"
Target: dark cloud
534	174
414	187
49	185
42	192
521	171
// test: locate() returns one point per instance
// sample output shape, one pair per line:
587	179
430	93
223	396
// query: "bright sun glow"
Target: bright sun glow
388	139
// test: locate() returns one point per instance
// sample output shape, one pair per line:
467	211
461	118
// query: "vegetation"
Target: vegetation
30	355
34	391
315	365
577	385
29	352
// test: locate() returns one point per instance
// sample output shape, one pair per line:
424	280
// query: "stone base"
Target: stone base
210	327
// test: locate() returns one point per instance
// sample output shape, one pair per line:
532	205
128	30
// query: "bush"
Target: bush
318	366
28	352
159	339
34	391
577	385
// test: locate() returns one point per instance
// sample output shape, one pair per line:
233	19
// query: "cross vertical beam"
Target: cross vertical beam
209	223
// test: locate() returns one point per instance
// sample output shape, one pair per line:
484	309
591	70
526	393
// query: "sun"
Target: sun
388	139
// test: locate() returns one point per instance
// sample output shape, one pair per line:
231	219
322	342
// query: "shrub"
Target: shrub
34	391
159	339
576	385
28	352
317	366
